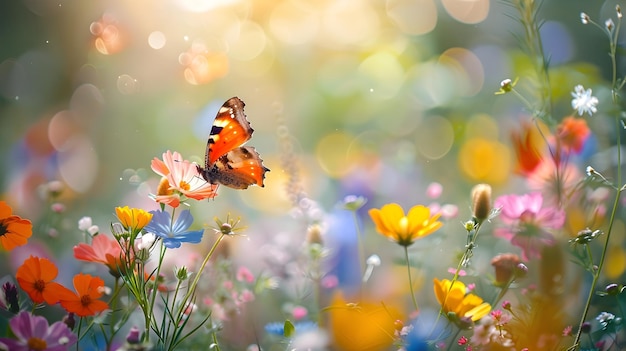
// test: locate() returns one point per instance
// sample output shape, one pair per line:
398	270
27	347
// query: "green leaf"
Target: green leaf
289	329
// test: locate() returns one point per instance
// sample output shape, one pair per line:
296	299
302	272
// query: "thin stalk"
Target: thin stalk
408	268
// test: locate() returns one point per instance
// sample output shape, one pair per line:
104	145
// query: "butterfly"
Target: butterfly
227	162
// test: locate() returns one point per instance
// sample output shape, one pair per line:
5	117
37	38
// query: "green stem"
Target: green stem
192	287
408	268
360	246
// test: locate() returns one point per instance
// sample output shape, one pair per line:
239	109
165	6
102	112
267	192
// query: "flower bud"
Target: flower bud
133	335
70	321
314	234
481	202
584	18
506	267
506	85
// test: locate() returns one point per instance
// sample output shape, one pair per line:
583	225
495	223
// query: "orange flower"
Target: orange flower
35	277
14	231
85	302
391	222
572	133
102	250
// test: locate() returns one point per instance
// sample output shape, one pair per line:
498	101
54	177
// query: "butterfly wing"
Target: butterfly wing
238	169
230	130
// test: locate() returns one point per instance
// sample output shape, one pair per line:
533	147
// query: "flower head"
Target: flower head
33	333
35	277
528	222
85	301
133	219
391	222
572	133
180	180
174	234
583	101
14	231
362	325
527	143
454	298
103	250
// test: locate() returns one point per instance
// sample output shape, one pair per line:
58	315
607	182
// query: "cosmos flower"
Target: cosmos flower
583	102
33	333
85	301
391	222
174	234
103	250
35	276
14	231
180	180
528	222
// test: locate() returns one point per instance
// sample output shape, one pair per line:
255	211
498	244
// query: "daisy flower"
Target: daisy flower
583	101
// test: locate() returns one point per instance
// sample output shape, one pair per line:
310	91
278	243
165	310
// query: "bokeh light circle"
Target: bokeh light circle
157	40
294	22
467	11
434	137
336	154
413	17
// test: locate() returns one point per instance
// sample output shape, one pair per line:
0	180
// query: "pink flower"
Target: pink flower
180	180
34	333
244	275
103	250
528	222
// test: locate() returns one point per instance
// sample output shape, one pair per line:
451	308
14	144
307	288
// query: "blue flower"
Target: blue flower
278	328
174	235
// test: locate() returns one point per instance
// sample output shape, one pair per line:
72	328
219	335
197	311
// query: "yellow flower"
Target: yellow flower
362	326
391	222
458	301
133	219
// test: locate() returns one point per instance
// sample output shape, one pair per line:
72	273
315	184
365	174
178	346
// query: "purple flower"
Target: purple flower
33	333
528	222
175	234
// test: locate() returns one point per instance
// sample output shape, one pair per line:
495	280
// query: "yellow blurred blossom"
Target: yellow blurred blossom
463	305
362	326
391	222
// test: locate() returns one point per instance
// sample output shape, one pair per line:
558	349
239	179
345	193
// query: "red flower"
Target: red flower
85	302
102	250
35	277
14	231
527	144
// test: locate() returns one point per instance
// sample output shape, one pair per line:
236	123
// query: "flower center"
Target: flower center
3	228
404	225
85	300
527	217
37	344
164	187
184	185
39	285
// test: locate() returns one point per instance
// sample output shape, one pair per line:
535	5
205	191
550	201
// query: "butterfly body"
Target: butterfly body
227	162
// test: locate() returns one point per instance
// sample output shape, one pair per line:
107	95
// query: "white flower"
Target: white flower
583	101
84	223
93	230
